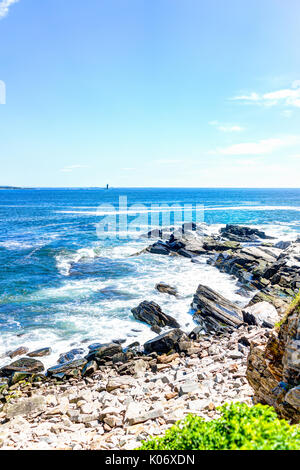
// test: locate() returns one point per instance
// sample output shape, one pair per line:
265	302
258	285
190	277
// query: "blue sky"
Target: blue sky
185	93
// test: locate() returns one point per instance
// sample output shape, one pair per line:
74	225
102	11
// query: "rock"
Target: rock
266	296
185	253
262	314
23	365
104	352
166	289
67	367
293	397
118	382
213	311
159	248
19	376
89	368
242	234
156	329
273	368
40	352
188	387
212	244
135	413
166	342
70	356
17	352
151	313
24	406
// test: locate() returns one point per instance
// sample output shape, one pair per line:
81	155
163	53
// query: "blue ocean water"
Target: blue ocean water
62	285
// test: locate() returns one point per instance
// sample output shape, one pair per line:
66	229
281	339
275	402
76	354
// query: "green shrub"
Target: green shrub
239	427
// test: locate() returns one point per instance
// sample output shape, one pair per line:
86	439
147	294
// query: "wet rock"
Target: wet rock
17	352
262	314
19	376
105	351
212	244
242	234
166	289
40	352
89	368
23	365
213	311
159	248
166	342
151	313
67	367
70	356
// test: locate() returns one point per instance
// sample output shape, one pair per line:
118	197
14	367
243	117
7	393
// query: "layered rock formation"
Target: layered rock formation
273	368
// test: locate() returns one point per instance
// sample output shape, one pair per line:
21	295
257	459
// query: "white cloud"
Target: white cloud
68	169
286	96
262	147
226	127
4	7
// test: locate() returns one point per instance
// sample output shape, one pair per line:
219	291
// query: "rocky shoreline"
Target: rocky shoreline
115	397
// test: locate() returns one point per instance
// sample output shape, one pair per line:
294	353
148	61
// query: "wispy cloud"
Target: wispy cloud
261	147
4	7
226	127
287	97
68	169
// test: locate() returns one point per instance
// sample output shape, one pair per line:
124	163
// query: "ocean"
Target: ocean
66	283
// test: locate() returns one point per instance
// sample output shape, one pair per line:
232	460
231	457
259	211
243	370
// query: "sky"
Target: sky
161	93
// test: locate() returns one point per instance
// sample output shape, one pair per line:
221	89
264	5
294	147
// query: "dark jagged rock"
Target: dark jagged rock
67	367
104	352
151	313
159	248
214	312
40	352
166	342
23	365
89	368
166	289
239	233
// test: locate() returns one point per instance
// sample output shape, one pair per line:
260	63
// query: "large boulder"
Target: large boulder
167	342
273	368
262	314
214	312
24	364
151	313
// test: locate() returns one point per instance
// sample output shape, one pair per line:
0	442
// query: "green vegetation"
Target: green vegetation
239	427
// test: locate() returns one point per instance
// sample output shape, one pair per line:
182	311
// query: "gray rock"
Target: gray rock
24	406
213	311
151	313
188	387
262	314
